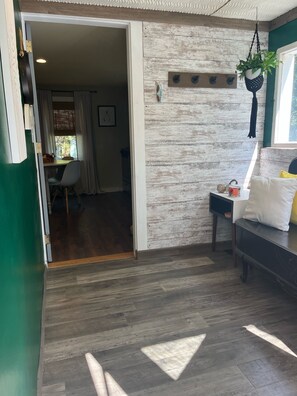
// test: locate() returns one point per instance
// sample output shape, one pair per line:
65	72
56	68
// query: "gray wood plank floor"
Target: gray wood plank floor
169	325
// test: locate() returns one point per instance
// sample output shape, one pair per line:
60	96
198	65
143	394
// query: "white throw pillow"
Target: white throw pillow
270	201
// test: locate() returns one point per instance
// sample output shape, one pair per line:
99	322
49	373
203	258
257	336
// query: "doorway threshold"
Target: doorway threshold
90	260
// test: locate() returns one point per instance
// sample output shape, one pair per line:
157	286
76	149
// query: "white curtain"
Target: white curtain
45	108
89	182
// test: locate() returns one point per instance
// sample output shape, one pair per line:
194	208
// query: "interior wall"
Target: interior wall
21	273
195	138
21	268
109	141
273	160
280	37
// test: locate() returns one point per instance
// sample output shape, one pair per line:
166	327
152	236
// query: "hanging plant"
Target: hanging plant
252	70
263	61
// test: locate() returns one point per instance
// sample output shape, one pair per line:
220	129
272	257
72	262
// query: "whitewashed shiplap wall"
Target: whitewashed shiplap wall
273	160
195	138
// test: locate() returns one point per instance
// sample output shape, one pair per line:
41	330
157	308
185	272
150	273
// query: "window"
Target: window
64	129
285	110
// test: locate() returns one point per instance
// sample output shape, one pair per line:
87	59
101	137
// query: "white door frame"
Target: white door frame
45	226
136	110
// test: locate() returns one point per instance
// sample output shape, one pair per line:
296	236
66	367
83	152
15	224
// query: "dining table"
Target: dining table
48	168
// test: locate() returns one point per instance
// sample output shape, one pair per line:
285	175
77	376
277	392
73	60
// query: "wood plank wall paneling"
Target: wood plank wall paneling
199	133
273	160
195	139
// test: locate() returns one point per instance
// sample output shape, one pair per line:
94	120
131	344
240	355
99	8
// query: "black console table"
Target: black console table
230	208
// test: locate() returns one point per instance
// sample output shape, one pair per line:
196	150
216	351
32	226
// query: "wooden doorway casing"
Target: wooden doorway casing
136	112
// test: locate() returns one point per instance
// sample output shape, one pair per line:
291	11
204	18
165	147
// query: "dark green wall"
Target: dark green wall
280	37
21	268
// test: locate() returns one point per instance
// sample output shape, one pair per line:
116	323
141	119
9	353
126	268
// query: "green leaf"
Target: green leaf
264	60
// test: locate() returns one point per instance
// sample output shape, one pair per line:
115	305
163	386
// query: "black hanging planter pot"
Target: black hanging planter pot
261	62
254	85
253	80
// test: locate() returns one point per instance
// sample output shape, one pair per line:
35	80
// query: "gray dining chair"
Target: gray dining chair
70	177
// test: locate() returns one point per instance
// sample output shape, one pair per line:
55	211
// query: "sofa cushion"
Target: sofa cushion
286	174
270	201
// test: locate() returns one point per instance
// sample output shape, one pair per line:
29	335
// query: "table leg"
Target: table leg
214	231
245	271
234	244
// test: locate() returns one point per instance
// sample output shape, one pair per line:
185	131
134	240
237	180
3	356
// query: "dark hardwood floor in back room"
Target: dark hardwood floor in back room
101	226
178	324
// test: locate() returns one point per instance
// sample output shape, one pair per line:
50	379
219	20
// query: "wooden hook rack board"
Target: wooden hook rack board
202	80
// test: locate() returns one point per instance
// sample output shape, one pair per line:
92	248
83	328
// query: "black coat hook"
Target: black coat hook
176	78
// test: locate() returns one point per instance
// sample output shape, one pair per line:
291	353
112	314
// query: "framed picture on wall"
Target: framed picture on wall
107	116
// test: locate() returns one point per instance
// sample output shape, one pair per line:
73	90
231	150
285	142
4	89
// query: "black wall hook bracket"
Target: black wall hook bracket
202	80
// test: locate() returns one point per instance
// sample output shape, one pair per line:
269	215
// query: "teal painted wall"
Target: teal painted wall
280	37
21	268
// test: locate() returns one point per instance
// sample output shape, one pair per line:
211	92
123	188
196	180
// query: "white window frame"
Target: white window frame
283	91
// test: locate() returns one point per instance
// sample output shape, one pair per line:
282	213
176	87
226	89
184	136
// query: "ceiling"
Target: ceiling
245	9
78	55
92	56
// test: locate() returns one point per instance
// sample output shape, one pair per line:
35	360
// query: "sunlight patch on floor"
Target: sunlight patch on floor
173	357
270	338
104	383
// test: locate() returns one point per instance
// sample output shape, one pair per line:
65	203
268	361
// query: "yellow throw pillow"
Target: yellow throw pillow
288	175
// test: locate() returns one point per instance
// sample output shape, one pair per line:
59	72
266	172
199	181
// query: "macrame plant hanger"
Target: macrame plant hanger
254	85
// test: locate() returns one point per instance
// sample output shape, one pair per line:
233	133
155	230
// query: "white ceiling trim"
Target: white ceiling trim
267	9
183	6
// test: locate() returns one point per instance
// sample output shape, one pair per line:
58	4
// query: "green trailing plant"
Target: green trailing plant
264	60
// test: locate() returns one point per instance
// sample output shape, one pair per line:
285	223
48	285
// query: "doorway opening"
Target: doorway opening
83	107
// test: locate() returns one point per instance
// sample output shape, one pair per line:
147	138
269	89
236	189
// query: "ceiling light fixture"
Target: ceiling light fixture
41	60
